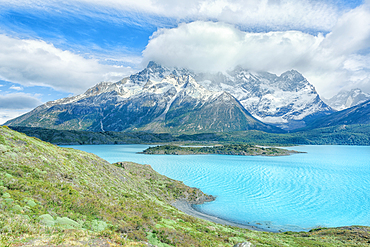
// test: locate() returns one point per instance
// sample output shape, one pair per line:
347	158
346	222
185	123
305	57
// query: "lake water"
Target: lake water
327	186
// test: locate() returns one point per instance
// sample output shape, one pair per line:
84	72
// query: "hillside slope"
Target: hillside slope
52	196
359	114
44	185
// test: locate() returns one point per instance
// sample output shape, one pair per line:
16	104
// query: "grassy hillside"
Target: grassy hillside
55	196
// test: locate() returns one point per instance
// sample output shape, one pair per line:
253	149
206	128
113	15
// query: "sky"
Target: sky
52	49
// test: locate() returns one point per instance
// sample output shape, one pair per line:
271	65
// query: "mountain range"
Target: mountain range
153	100
288	101
177	100
346	99
358	114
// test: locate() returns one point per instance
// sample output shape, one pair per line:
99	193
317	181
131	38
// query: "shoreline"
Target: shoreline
187	208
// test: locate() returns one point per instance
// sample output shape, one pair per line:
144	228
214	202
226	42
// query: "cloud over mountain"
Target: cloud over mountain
215	46
71	45
331	62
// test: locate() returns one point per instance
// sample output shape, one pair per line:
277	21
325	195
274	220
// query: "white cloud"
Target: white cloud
6	114
266	14
351	33
342	61
198	46
18	101
211	46
35	62
16	104
330	62
16	88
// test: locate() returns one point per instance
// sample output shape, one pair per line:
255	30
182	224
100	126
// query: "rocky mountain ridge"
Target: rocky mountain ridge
156	99
162	99
287	101
346	99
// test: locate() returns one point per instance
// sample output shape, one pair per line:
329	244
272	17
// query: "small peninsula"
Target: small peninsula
233	149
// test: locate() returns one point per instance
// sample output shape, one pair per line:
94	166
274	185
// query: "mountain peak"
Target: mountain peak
155	68
292	75
346	99
153	65
98	88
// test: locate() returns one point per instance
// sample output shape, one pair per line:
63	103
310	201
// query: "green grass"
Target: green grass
60	196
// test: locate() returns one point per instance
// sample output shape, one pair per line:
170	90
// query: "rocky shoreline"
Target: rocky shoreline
187	207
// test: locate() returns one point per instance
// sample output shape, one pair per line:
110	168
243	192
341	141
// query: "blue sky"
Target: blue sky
50	50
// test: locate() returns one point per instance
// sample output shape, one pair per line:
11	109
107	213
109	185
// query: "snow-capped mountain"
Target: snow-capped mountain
287	101
172	99
346	99
155	99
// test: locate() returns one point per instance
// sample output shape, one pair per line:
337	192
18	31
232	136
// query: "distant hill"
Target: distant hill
234	149
359	114
356	134
75	137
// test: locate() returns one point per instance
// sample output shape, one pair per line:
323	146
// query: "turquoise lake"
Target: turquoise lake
328	186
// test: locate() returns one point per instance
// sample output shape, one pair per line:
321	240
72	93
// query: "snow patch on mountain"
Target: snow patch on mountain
269	98
152	80
285	100
346	99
